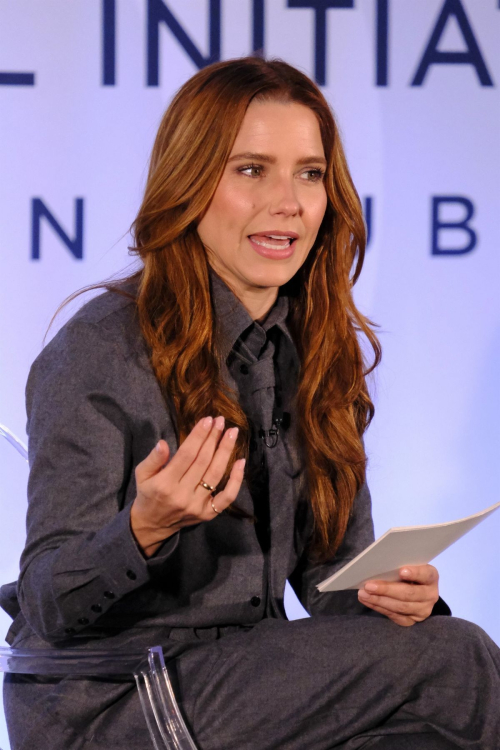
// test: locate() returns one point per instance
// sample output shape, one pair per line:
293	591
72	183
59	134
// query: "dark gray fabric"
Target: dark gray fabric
95	410
334	681
425	741
312	684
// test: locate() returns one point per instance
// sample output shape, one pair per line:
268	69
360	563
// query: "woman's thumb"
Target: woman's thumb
154	462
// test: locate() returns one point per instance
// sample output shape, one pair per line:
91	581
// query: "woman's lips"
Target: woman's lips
272	246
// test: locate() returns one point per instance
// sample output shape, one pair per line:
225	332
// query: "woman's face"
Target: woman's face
268	207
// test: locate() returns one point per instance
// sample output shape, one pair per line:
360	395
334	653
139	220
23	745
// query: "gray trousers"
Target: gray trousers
345	682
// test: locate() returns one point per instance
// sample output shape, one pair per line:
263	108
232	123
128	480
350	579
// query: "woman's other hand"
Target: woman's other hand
169	494
407	601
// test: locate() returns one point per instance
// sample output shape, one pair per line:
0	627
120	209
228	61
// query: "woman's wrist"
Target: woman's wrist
148	536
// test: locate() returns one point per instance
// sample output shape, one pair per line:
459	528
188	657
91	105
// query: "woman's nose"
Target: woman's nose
284	199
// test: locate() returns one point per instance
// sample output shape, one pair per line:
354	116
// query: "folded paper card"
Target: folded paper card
406	545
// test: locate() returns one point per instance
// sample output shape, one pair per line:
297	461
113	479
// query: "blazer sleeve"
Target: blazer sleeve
80	556
307	575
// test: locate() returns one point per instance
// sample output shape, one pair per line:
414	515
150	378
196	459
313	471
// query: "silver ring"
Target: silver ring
207	486
215	509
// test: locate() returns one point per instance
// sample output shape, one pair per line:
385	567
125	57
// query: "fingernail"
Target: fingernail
241	463
363	594
219	423
371	586
233	433
207	422
405	572
158	446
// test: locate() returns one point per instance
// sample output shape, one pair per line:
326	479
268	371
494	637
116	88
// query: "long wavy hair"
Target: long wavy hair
174	304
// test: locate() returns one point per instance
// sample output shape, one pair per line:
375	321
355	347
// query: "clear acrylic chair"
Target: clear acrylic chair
163	717
164	720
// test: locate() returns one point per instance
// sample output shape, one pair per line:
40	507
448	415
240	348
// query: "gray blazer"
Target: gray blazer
95	410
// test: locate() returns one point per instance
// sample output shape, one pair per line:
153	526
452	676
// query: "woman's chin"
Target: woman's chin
268	283
269	276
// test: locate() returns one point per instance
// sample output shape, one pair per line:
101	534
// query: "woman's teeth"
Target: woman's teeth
279	242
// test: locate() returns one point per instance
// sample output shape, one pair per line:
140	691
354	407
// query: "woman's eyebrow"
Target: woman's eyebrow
272	159
312	160
253	157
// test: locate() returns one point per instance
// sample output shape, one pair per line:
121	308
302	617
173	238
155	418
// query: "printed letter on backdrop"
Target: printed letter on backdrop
473	56
38	211
368	212
382	44
158	12
462	225
108	42
320	7
258	40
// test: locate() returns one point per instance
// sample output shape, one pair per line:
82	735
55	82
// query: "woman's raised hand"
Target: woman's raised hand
169	494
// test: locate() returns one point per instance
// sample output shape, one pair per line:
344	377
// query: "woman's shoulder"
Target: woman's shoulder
111	313
98	358
101	333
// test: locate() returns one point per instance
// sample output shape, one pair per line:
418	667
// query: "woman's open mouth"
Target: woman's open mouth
273	245
272	241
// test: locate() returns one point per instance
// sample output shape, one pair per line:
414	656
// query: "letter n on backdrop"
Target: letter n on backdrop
40	211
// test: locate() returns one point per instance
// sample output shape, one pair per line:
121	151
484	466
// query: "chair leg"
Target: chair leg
143	683
163	717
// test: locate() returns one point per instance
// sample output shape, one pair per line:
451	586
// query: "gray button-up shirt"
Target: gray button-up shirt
263	363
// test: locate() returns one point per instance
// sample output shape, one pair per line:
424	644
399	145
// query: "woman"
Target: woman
144	525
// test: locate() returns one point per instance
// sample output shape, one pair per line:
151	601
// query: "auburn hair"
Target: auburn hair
174	305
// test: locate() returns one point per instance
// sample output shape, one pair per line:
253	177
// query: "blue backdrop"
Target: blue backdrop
414	84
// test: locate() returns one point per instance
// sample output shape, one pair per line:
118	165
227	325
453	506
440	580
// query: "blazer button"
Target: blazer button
244	369
96	608
109	595
70	631
131	575
83	621
255	601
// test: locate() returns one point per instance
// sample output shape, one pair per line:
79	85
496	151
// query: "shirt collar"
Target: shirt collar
233	319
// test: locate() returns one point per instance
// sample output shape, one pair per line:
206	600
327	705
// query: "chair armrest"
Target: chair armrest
70	662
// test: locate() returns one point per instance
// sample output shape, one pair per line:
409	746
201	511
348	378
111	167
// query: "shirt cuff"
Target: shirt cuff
441	608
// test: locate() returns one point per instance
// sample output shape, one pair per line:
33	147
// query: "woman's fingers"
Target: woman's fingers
419	610
423	574
417	597
405	592
403	620
211	463
153	462
189	449
223	500
199	468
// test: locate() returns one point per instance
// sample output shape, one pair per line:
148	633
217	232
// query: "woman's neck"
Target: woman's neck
256	300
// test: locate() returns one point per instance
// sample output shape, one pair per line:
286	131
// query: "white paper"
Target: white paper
405	545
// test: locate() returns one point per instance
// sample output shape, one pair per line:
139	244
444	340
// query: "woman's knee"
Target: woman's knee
461	644
456	630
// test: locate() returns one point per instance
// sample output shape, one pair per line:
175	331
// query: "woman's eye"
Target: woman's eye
253	170
314	175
